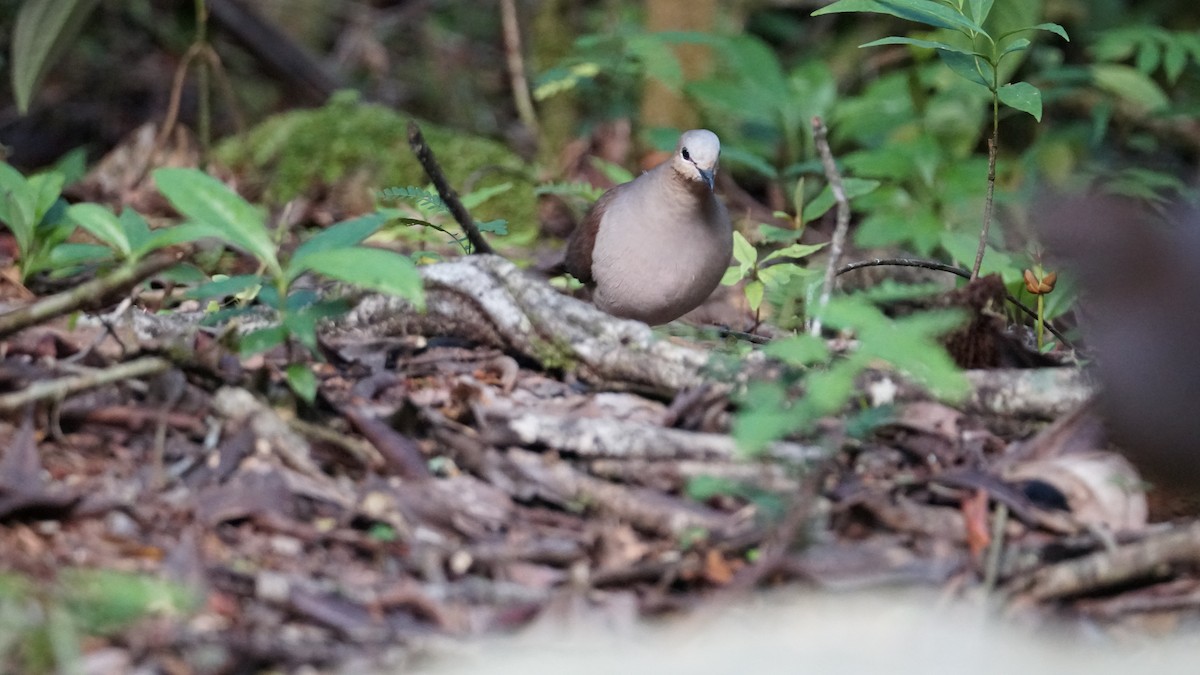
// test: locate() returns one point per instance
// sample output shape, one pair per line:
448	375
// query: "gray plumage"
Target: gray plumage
655	248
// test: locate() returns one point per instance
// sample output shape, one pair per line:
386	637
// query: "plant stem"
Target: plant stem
1041	321
516	66
204	113
993	142
821	139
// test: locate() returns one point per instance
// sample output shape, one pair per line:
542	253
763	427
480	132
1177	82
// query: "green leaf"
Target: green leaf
345	234
262	339
182	233
44	30
69	255
926	12
1174	60
106	601
102	224
224	288
733	274
46	189
973	68
765	415
477	197
1022	96
657	58
748	160
926	44
204	199
1020	44
754	294
497	227
980	9
1051	28
1129	84
744	252
796	251
17	208
136	229
301	379
425	200
854	187
371	268
798	350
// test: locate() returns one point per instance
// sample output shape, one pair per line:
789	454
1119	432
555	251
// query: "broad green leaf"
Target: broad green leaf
204	199
301	379
66	256
1149	55
1174	60
798	350
1022	96
743	251
927	12
17	206
754	294
733	274
980	9
262	339
136	229
46	189
972	67
182	233
371	268
44	30
1129	84
223	288
854	187
102	224
796	251
345	234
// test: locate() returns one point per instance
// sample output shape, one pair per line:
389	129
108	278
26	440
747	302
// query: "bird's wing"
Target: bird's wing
583	239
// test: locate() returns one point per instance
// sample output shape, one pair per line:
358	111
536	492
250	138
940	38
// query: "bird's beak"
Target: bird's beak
708	175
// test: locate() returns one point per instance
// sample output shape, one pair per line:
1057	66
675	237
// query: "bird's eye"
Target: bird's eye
685	154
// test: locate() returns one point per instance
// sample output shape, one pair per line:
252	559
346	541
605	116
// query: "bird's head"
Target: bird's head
696	156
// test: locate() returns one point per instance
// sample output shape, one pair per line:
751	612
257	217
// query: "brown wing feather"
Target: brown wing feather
583	239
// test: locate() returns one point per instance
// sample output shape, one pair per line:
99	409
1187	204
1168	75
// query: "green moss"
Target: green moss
309	151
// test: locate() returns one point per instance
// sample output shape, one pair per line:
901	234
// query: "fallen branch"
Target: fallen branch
65	386
89	295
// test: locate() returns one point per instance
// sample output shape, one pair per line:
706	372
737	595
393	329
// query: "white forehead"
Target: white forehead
702	145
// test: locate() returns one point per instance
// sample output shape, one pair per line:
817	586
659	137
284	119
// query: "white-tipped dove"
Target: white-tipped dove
656	247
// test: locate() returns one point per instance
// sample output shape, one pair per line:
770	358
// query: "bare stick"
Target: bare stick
516	66
987	204
428	162
65	386
92	294
821	136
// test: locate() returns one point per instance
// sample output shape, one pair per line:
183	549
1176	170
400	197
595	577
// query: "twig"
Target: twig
65	386
516	66
942	267
838	243
987	204
428	162
93	293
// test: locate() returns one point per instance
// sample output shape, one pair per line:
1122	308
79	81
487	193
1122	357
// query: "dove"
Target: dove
655	248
